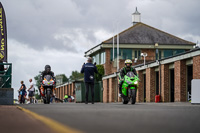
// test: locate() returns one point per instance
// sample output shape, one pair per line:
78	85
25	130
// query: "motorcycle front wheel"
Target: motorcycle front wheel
48	97
125	100
133	99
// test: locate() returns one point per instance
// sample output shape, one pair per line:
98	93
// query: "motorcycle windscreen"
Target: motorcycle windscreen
48	77
130	74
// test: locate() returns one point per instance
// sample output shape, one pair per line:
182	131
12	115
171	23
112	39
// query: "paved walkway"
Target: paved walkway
13	120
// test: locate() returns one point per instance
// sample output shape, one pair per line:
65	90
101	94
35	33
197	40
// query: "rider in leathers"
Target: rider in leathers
47	71
123	72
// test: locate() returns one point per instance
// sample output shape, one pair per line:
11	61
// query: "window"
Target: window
178	51
103	58
127	54
97	59
94	59
115	53
137	54
168	52
160	54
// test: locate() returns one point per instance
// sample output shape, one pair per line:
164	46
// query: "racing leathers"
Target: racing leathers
122	73
47	73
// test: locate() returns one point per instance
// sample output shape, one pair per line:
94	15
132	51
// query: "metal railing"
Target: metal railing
6	75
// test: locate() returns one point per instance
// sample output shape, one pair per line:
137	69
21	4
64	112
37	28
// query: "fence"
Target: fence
6	76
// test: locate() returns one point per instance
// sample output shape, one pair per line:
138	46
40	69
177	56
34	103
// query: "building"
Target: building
59	80
170	63
137	39
170	77
67	88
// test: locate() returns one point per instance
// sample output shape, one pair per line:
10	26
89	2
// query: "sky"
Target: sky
58	32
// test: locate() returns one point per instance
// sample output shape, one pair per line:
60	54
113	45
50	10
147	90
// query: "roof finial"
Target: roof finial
136	17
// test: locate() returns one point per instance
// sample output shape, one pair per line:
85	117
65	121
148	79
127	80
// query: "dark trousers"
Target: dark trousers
120	86
87	86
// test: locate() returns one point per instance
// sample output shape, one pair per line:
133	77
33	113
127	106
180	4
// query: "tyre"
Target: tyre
125	100
44	100
133	99
48	96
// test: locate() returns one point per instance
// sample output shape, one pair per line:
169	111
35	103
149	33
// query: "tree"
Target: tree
76	75
99	75
37	79
65	79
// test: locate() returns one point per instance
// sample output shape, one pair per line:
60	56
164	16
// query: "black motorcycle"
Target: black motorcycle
48	84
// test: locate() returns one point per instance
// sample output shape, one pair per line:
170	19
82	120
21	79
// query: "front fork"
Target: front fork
48	89
130	91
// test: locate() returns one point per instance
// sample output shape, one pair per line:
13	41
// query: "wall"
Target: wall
150	85
196	67
164	83
180	81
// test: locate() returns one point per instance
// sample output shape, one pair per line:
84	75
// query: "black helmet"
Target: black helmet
47	68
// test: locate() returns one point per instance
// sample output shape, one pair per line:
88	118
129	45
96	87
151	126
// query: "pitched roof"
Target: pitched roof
141	33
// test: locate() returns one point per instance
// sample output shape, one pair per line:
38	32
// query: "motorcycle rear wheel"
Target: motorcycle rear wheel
44	100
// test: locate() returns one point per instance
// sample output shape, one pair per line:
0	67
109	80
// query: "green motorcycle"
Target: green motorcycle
129	88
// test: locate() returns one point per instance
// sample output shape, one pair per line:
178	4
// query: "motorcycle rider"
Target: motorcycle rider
47	71
128	67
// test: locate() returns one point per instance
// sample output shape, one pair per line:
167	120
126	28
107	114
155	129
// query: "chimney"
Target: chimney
136	17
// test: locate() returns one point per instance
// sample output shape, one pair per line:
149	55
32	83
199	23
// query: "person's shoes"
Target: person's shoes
86	102
120	95
92	102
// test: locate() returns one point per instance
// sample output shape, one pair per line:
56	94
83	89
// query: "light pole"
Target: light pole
144	55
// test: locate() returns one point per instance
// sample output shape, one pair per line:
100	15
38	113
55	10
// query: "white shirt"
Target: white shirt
72	97
32	88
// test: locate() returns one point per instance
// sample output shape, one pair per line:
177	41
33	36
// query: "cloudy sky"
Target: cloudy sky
58	32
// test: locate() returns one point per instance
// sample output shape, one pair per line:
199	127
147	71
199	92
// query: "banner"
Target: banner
3	35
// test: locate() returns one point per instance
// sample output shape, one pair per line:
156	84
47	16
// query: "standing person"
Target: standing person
89	69
72	98
22	91
52	98
1	73
31	91
74	95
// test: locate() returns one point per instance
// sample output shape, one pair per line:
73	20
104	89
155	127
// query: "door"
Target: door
157	83
144	87
172	85
189	79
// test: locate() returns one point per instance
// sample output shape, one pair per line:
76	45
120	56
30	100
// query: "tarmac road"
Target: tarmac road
118	118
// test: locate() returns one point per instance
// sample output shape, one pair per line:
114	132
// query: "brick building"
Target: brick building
67	88
139	38
170	77
169	62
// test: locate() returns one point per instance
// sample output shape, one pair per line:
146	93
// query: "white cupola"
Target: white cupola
136	17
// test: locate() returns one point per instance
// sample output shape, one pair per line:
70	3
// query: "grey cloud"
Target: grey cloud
36	22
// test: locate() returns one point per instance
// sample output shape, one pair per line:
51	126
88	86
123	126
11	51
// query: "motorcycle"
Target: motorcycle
129	88
46	88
